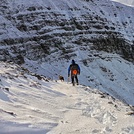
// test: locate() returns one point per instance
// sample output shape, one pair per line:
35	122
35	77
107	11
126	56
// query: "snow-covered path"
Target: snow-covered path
89	112
34	106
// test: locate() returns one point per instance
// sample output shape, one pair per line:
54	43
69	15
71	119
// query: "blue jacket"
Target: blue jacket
69	69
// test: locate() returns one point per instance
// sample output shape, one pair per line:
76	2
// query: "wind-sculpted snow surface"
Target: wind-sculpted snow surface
32	104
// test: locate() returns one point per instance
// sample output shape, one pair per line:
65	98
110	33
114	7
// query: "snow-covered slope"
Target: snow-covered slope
31	104
40	28
107	72
45	35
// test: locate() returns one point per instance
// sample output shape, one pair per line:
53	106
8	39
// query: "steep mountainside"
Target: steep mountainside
43	36
39	28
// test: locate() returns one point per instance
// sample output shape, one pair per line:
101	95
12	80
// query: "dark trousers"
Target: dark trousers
74	77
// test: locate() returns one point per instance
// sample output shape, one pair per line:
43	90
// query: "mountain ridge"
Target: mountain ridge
40	38
43	36
33	105
43	25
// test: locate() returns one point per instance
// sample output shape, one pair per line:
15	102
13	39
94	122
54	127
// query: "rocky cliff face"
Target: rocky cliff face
39	29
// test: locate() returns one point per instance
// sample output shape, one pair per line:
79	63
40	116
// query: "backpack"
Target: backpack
74	69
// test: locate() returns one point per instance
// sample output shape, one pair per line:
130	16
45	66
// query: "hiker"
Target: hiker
75	70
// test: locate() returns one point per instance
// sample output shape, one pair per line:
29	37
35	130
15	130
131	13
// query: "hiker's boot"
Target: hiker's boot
73	84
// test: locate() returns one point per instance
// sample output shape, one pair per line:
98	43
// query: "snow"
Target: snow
124	15
106	72
41	106
32	106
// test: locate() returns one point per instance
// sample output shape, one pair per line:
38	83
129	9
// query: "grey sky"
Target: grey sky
128	2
